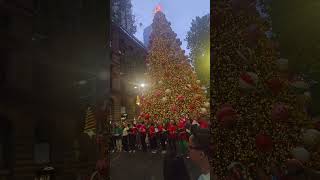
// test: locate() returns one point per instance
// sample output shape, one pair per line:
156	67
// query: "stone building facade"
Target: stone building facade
55	62
128	68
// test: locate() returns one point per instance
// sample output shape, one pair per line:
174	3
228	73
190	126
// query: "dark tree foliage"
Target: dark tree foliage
198	39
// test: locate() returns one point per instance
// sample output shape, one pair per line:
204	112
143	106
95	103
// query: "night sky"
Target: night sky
179	12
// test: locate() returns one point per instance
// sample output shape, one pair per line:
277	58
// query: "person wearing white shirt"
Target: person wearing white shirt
199	149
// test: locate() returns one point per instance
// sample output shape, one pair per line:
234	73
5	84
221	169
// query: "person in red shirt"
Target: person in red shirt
183	136
162	136
132	138
152	138
172	129
143	133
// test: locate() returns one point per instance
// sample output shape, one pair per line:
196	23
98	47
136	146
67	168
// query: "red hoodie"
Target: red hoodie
160	129
172	131
203	124
142	129
152	131
134	130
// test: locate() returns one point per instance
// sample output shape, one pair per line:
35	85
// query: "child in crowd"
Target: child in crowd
125	134
118	137
152	138
132	138
172	128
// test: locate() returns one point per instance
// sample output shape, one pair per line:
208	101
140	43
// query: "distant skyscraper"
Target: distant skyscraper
146	35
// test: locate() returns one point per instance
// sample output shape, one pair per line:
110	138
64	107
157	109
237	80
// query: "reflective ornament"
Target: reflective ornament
168	91
311	137
160	82
301	154
280	112
164	99
198	81
203	110
248	80
207	104
227	116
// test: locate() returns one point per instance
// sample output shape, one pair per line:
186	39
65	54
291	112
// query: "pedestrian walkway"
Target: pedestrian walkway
142	166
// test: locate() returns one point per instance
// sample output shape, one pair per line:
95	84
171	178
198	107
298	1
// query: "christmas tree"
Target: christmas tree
174	91
258	118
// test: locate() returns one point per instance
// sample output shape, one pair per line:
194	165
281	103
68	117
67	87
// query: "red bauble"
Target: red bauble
192	107
264	142
142	114
180	98
174	108
147	116
280	112
275	85
158	93
227	116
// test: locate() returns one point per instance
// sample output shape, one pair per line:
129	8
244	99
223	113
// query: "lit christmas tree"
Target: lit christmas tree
174	91
259	120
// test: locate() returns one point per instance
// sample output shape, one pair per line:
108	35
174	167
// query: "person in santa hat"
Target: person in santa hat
172	129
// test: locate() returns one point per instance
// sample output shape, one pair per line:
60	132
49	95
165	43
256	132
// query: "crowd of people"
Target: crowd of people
154	136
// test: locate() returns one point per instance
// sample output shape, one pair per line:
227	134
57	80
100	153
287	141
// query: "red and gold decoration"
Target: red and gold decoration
269	124
173	86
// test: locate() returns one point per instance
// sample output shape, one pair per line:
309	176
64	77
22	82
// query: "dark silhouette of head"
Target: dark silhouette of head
175	168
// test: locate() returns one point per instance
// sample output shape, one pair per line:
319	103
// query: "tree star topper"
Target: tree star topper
158	9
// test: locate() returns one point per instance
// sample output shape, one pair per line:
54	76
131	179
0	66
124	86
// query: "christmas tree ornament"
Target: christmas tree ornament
311	137
147	116
248	80
282	64
275	85
174	108
164	99
226	116
301	154
203	88
299	85
160	82
198	81
168	91
203	110
180	98
280	112
158	93
207	104
264	142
